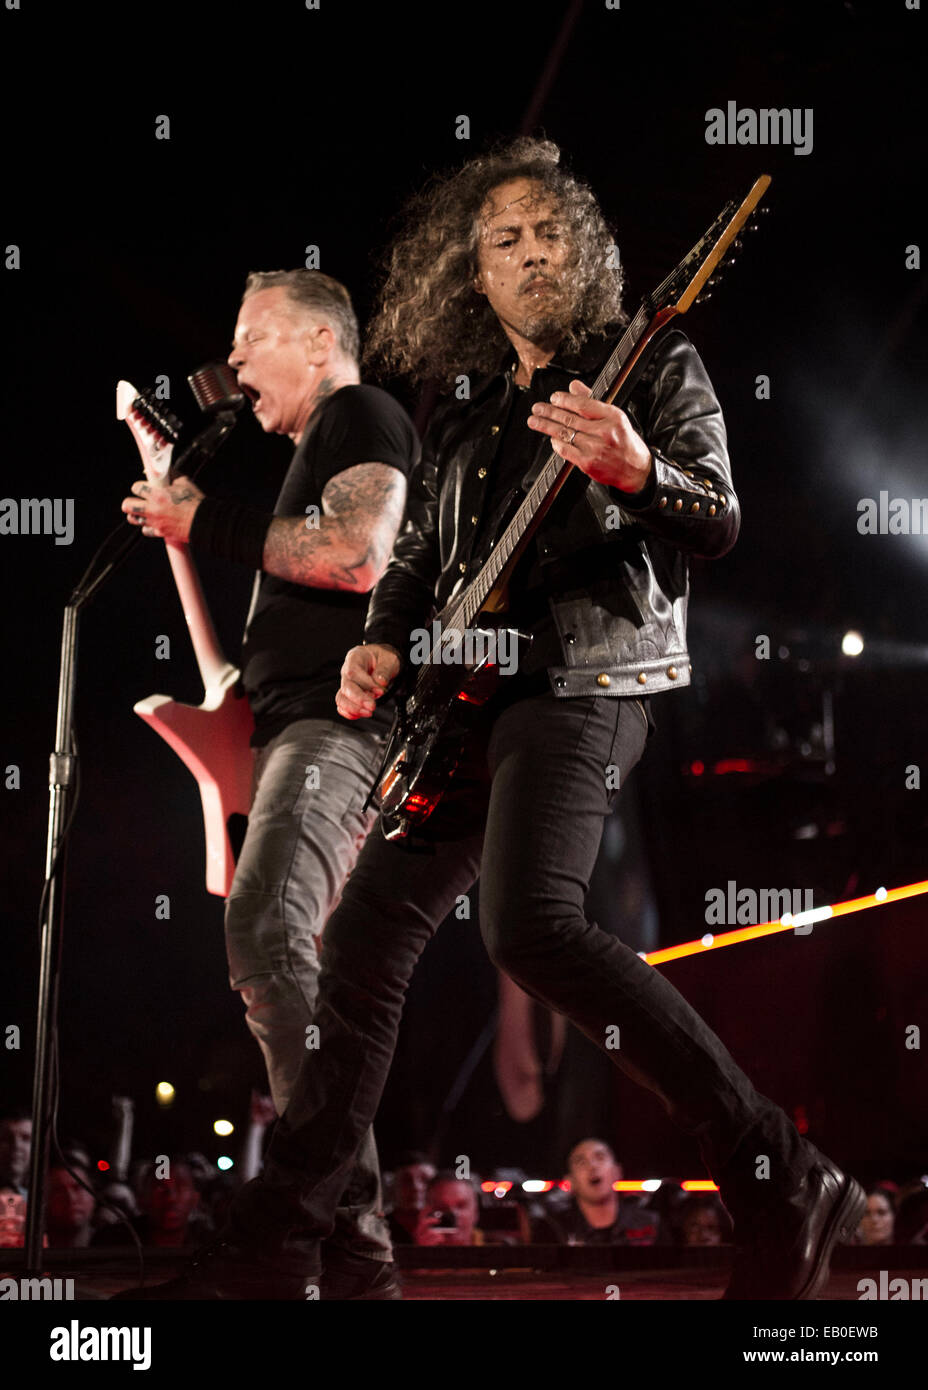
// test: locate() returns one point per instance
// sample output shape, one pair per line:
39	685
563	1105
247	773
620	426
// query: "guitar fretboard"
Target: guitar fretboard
475	595
655	311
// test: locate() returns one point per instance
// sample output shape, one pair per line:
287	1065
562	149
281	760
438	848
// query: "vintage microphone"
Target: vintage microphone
216	391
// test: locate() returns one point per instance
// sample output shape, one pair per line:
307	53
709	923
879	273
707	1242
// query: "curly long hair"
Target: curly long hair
429	321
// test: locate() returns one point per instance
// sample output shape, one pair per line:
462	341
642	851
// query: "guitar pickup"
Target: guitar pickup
499	657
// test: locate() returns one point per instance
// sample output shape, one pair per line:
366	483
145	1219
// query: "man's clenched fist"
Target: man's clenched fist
366	674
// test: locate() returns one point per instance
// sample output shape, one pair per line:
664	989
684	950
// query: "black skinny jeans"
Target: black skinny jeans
525	811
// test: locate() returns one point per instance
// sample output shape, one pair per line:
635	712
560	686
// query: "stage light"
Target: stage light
788	922
805	919
708	939
637	1185
537	1185
223	1127
852	644
225	1163
164	1093
102	1165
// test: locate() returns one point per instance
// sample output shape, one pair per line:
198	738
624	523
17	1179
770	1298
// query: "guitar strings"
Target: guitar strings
471	601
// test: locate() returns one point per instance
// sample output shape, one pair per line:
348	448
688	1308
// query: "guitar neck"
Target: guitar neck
155	431
675	295
616	373
213	665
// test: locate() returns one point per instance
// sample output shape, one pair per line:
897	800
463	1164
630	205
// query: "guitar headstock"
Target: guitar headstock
702	267
154	429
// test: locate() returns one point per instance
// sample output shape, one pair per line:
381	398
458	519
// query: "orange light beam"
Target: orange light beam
713	942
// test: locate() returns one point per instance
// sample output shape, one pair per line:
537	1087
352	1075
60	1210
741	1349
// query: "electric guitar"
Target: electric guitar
212	738
432	721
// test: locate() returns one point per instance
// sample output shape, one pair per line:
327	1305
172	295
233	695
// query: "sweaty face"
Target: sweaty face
521	259
593	1170
269	353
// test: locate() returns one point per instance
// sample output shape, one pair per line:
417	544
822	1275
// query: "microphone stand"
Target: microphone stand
63	772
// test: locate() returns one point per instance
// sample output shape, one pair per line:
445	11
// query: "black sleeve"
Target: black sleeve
689	499
403	597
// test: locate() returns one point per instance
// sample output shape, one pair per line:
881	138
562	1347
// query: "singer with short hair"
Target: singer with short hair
295	352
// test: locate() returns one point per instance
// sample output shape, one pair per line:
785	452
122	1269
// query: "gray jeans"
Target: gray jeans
305	831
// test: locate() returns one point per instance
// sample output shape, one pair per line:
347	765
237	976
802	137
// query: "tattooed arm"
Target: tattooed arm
348	546
163	511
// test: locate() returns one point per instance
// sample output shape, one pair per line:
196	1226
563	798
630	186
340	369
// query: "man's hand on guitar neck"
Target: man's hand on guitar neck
366	674
163	511
595	436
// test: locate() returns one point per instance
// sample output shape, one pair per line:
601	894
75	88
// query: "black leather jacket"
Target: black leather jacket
617	562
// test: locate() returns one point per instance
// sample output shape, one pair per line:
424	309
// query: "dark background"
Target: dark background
292	127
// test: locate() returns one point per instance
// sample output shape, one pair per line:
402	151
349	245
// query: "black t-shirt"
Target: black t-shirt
297	636
634	1225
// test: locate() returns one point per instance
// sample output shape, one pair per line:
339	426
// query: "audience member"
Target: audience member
877	1223
167	1205
449	1216
411	1179
12	1219
70	1204
702	1221
171	1202
595	1215
15	1150
115	1202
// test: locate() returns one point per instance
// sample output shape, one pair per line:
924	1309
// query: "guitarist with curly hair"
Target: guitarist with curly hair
502	288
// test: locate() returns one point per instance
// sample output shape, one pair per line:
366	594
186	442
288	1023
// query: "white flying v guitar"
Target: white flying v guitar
212	738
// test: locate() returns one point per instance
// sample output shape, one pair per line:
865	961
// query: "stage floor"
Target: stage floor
571	1275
